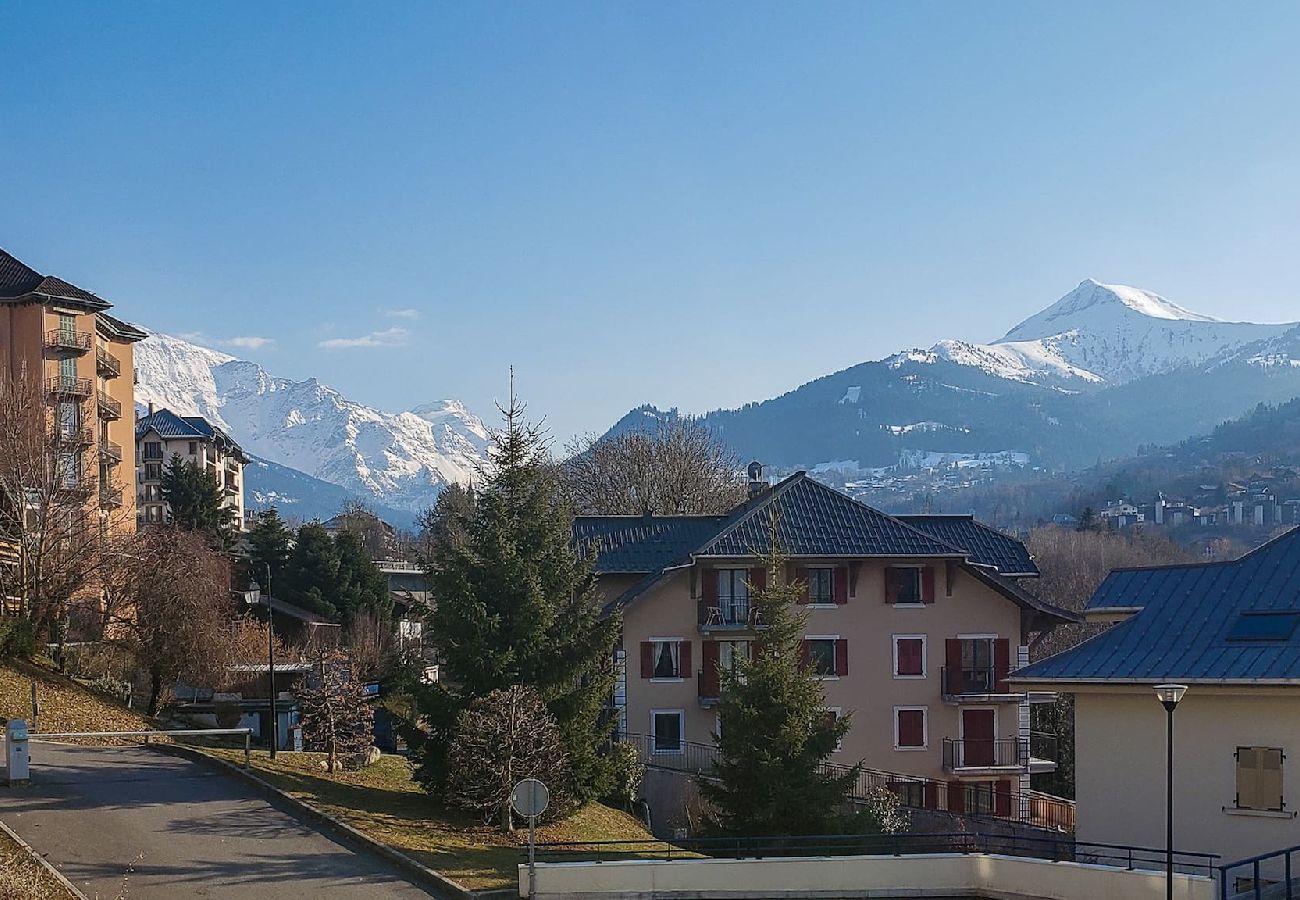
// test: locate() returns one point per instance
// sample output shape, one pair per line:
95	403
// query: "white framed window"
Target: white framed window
668	730
731	652
911	728
909	656
821	586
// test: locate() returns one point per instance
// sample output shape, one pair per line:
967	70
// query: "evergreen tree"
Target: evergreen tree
269	540
775	737
516	606
361	586
311	577
195	500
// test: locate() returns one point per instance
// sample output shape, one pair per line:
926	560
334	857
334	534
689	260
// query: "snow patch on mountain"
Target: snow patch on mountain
402	460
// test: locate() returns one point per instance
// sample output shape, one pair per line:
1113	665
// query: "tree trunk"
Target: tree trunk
155	689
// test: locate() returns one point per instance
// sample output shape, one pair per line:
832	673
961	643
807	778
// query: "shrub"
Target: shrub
17	639
628	774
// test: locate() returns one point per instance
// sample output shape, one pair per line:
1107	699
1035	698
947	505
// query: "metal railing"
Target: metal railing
69	385
1059	849
108	407
110	497
730	615
106	363
973	680
110	451
67	339
1269	876
994	753
969	799
76	437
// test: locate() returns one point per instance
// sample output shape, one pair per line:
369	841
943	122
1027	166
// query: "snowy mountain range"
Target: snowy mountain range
396	460
1100	371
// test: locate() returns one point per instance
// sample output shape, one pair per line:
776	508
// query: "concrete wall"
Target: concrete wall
1120	768
869	691
935	875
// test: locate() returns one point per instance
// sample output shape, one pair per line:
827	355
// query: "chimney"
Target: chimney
756	483
151	407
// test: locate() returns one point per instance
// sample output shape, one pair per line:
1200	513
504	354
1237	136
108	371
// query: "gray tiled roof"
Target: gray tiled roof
632	544
1185	614
986	546
18	280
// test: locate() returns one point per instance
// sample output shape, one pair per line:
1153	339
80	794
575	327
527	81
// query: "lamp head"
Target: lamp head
1170	694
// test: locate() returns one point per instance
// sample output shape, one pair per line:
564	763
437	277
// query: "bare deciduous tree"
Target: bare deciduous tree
503	737
335	714
678	469
369	639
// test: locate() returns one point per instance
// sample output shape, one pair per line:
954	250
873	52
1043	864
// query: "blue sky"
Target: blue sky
679	203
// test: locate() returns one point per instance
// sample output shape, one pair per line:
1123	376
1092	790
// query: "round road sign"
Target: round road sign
530	798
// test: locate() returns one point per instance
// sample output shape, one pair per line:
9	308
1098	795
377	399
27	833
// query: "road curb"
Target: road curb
43	862
440	885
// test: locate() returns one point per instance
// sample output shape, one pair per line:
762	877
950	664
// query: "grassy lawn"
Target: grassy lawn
384	802
22	879
65	705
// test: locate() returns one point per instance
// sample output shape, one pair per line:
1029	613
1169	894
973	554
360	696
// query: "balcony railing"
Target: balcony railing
108	407
67	339
977	753
110	452
69	386
106	363
974	680
730	615
110	498
76	437
231	486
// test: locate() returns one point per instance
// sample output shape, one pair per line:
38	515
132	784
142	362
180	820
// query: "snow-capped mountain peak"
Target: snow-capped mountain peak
400	460
1093	303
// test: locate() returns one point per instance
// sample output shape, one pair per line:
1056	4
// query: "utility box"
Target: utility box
17	755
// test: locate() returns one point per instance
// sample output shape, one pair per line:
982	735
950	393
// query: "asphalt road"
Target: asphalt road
130	822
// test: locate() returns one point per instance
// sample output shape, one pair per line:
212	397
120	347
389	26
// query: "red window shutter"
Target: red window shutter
801	579
1001	665
710	677
709	585
956	797
911	728
840	583
952	665
841	657
927	584
684	660
647	659
909	657
757	580
1002	798
891	584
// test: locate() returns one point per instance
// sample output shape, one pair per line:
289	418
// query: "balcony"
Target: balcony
106	363
67	339
730	615
1014	756
110	498
76	437
231	486
69	386
108	407
975	684
110	452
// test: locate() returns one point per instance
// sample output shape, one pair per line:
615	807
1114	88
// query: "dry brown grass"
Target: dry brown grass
65	705
22	878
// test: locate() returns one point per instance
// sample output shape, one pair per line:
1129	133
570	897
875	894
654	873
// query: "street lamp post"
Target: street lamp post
1169	695
255	590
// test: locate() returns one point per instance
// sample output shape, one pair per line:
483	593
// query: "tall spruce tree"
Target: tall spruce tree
311	577
775	736
517	606
269	541
195	501
361	586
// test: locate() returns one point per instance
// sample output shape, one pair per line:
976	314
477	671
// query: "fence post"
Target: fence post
248	749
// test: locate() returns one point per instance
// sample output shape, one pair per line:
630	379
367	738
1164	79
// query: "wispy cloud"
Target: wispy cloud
402	313
388	337
249	342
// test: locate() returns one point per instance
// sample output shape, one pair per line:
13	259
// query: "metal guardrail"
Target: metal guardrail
147	735
1269	876
69	385
1064	849
68	339
991	753
109	408
969	799
107	363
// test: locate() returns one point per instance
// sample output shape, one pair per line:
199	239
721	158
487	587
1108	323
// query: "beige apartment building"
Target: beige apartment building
160	435
1230	632
913	623
59	343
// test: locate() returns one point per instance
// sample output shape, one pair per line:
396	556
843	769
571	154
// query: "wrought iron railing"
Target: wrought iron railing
110	497
992	753
972	680
110	451
108	407
69	385
971	799
107	363
76	437
67	339
1269	876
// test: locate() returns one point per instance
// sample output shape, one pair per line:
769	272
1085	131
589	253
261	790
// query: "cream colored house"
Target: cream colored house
58	342
914	625
162	434
1230	631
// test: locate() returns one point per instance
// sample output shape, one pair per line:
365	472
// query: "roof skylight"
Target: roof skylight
1271	625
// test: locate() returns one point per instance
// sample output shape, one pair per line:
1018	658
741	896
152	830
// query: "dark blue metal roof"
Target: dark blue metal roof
986	546
170	425
1185	614
635	544
812	519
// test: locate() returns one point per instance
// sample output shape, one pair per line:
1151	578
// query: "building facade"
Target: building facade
59	344
913	625
1228	630
160	435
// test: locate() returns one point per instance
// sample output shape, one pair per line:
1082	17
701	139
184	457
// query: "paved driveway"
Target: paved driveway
133	823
